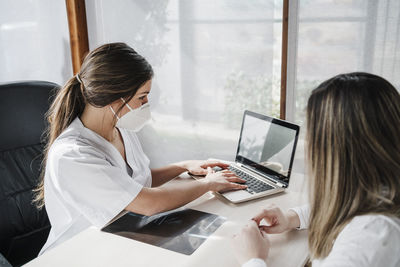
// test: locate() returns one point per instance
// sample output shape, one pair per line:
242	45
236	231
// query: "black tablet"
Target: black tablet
182	230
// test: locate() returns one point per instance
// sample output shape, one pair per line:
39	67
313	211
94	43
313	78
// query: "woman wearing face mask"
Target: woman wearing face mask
94	164
353	153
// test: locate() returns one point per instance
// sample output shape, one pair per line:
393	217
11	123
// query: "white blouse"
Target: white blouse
87	182
367	240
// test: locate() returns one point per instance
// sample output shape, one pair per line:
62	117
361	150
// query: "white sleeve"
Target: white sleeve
304	215
369	240
255	262
89	183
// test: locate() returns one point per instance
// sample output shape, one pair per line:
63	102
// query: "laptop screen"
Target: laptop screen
267	145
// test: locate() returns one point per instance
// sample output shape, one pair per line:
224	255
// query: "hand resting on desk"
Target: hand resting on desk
276	221
252	241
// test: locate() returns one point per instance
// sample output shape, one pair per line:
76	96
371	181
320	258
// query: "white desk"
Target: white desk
95	248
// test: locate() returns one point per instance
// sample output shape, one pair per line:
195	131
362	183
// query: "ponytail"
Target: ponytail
68	104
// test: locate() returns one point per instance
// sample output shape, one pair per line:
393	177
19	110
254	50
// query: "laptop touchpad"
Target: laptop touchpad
236	195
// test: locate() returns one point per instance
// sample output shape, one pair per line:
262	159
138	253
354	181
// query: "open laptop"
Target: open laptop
264	156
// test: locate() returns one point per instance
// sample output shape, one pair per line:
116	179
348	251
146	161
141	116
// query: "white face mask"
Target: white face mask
135	119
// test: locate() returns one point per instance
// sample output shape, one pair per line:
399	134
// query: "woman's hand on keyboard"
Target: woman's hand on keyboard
199	167
223	181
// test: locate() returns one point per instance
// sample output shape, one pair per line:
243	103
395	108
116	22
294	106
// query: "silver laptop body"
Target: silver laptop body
264	156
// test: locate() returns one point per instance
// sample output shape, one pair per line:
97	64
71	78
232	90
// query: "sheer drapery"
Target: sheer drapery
212	60
34	41
339	36
329	37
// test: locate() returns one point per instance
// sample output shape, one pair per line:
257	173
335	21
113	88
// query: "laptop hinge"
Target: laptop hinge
280	185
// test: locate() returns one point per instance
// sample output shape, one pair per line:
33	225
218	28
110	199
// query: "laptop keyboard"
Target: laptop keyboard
254	185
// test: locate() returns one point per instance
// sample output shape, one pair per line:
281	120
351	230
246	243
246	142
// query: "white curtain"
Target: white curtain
212	60
339	36
329	37
215	58
34	41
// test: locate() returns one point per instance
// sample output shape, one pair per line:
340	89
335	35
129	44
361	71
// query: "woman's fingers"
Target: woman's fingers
231	174
215	164
268	229
198	171
239	186
268	214
235	180
250	243
233	186
209	170
264	233
276	220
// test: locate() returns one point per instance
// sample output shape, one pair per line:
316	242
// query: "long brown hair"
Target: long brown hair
353	151
108	73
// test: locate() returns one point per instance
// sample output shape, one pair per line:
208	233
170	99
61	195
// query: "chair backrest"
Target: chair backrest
23	228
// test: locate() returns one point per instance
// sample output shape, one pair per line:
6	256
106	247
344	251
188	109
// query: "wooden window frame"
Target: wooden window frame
78	32
284	61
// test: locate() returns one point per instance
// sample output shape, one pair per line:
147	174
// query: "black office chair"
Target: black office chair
23	228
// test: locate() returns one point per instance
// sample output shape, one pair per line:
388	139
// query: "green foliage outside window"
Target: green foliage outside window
262	95
256	93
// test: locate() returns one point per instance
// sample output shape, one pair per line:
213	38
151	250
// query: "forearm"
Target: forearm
164	174
155	200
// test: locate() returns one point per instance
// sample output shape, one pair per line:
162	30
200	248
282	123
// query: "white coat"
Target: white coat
87	182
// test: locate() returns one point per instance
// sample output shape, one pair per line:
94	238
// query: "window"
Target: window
212	60
339	36
37	32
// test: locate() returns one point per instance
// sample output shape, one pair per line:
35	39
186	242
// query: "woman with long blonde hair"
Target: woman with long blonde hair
353	153
94	165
